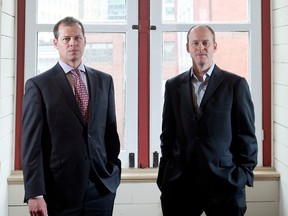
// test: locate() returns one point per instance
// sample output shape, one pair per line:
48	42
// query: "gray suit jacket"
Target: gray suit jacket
58	149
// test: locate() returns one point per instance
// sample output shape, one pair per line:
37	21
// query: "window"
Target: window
116	10
107	30
99	53
169	51
112	46
238	36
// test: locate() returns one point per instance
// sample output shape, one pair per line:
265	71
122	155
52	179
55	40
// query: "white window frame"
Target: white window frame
156	86
131	67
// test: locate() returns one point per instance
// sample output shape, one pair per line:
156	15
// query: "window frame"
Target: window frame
144	156
254	66
131	127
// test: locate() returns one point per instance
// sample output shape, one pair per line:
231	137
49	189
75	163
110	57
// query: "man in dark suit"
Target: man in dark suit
208	143
70	160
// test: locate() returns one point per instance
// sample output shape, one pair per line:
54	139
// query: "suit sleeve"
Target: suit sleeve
167	139
32	124
246	148
111	134
167	136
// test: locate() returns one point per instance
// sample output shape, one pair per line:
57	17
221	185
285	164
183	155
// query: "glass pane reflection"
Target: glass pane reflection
209	11
88	11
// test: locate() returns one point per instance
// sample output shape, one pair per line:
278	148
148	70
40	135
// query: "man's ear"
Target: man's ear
55	43
187	47
215	46
85	40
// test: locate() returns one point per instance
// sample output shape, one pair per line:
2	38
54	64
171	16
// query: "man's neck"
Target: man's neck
200	71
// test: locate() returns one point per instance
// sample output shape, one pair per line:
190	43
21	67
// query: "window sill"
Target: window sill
150	175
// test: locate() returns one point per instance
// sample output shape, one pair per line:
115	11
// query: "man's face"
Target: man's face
70	44
201	47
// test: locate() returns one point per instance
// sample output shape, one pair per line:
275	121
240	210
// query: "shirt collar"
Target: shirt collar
68	68
207	74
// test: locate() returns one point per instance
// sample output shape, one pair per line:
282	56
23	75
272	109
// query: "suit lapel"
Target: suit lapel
92	82
214	82
185	90
185	102
65	90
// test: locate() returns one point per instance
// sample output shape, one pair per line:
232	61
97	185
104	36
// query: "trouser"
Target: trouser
96	203
189	198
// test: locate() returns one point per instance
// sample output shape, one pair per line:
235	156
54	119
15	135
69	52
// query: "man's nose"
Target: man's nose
72	41
201	46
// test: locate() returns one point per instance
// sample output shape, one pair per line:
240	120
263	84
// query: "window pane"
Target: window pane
88	11
104	52
231	54
209	11
47	54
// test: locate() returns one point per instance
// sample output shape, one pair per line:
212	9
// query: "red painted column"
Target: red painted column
19	81
143	83
266	83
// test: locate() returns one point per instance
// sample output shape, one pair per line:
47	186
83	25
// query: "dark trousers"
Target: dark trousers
190	198
96	203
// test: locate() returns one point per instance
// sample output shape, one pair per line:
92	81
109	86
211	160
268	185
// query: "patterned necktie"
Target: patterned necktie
81	94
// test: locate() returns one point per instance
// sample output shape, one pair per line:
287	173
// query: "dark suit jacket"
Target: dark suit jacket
58	149
218	141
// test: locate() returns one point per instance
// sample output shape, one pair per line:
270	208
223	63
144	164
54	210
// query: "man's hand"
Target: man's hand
37	207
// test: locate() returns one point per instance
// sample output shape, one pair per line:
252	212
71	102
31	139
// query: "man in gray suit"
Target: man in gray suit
208	142
70	159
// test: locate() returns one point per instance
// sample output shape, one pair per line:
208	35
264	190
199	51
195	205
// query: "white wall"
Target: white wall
280	92
279	80
138	194
7	93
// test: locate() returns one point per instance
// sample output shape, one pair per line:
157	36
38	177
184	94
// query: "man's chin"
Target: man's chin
201	64
74	58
